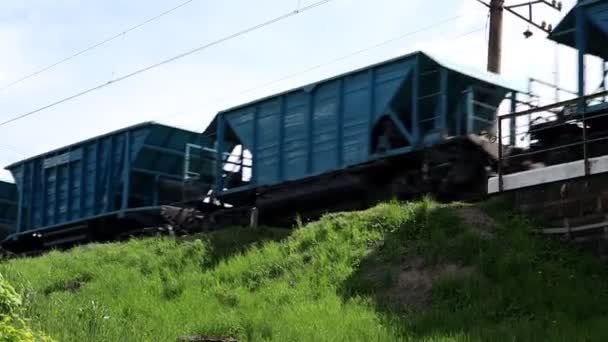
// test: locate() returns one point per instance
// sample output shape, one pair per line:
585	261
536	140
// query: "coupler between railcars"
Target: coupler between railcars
456	170
189	220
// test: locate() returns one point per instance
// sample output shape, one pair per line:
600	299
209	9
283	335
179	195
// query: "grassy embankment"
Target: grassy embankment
418	271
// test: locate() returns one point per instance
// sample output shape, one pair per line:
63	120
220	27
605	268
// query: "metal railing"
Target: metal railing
578	111
188	174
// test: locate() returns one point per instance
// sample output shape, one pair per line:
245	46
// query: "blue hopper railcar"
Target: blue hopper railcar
315	143
8	207
102	186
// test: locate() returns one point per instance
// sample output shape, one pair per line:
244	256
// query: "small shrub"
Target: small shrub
12	327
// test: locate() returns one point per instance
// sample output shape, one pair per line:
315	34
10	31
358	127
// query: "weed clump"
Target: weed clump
13	328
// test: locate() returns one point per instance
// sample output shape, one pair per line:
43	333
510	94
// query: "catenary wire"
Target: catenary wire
94	46
341	58
172	59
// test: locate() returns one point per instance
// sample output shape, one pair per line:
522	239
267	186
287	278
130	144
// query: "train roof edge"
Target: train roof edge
117	131
595	15
472	72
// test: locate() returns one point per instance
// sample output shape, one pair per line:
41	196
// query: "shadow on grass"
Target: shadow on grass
401	274
510	287
232	241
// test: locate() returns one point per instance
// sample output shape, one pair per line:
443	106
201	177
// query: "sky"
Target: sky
189	92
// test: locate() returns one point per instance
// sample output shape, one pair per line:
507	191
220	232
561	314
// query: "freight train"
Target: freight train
412	125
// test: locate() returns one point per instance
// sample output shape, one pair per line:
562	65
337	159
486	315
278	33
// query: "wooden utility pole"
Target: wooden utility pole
497	8
495	41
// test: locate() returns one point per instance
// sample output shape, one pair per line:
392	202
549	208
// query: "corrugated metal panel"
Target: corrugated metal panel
267	146
295	146
91	178
325	127
357	116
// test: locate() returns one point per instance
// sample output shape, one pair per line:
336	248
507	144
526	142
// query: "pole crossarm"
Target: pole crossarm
530	19
496	8
557	5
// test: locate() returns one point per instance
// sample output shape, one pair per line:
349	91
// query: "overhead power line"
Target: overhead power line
94	46
346	56
357	52
172	59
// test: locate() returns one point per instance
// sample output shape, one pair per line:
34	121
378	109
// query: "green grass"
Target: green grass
328	281
13	328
